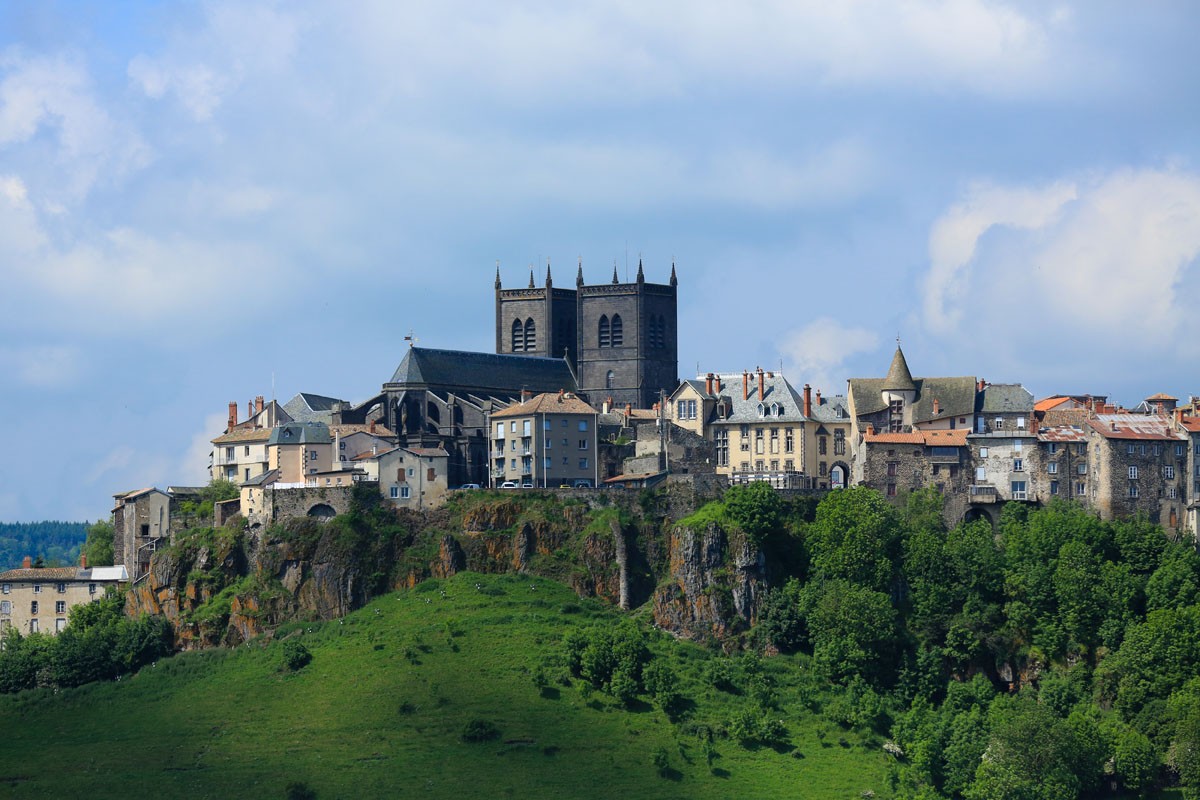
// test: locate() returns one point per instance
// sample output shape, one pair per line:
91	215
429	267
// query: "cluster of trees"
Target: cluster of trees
51	543
1053	657
99	643
618	661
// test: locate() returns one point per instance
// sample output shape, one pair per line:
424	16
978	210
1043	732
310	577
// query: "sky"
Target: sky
207	201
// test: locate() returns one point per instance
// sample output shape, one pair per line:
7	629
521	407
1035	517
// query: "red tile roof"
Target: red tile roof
1049	403
1134	426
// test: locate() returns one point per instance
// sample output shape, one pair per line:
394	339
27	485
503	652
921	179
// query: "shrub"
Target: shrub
295	655
480	730
661	761
298	790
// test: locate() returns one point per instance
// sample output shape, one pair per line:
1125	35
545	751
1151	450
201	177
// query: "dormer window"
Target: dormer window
774	409
762	410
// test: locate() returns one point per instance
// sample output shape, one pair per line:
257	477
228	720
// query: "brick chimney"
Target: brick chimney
761	390
708	384
233	408
818	398
372	427
745	385
981	385
83	560
717	383
937	407
807	400
258	404
526	395
27	563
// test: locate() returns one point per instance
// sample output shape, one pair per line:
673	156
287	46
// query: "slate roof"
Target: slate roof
955	396
776	389
831	409
349	428
898	377
301	433
546	403
309	407
483	373
1005	398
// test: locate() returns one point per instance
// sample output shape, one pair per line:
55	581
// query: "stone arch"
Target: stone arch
980	512
609	379
322	512
839	475
604	331
530	335
618	331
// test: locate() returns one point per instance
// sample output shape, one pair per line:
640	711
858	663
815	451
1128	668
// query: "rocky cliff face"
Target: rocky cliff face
229	586
715	584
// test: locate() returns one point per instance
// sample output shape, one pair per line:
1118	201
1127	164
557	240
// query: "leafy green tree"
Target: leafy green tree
781	620
99	545
756	508
855	537
844	643
1030	755
1176	581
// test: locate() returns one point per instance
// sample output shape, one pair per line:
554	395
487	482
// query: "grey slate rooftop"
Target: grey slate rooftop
483	372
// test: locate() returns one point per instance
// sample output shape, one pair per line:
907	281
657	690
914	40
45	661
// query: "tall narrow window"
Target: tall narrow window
605	340
518	336
617	332
609	379
530	335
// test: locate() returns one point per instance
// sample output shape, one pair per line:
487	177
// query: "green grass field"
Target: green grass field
381	708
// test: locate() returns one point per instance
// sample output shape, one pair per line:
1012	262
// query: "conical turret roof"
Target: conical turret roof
899	379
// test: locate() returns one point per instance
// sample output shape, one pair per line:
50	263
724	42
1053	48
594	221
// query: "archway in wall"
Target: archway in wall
839	475
980	512
322	512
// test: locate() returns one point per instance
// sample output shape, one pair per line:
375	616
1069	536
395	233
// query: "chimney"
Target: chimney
937	407
807	400
526	395
258	404
27	563
981	385
708	384
717	383
818	398
83	560
372	428
232	413
870	430
745	385
606	405
761	391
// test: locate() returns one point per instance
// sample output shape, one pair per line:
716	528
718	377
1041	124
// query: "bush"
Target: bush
480	730
295	655
661	761
298	790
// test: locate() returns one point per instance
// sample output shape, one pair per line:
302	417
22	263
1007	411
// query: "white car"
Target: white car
509	485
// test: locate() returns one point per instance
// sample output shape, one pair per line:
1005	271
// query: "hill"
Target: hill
56	543
382	708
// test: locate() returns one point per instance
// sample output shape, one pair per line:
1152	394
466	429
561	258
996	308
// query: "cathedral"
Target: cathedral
621	339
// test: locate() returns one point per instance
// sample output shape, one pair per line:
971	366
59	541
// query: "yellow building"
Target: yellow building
37	600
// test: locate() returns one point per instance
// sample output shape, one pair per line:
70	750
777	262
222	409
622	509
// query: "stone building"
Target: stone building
546	441
827	437
897	463
1138	465
621	337
1189	424
141	524
240	453
34	600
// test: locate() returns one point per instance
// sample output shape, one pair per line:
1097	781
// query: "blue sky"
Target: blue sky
198	197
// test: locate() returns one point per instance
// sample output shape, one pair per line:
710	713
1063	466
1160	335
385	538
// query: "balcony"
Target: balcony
984	494
779	479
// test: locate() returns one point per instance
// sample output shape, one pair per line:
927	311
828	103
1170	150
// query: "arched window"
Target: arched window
530	336
605	341
518	336
608	380
662	331
618	338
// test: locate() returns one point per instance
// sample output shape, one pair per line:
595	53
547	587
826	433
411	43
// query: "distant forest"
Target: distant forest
56	543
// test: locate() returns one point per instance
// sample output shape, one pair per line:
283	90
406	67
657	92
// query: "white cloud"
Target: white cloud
192	470
43	366
116	460
817	353
1100	267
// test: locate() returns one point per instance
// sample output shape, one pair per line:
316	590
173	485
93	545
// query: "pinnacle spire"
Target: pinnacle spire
674	280
615	272
641	276
549	280
579	274
531	284
497	273
899	378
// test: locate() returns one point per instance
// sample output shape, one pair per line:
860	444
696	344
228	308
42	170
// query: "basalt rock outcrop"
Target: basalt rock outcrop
715	584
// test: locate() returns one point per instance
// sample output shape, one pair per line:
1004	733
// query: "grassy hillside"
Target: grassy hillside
381	709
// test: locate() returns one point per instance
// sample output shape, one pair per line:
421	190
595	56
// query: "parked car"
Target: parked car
509	485
583	484
526	485
469	486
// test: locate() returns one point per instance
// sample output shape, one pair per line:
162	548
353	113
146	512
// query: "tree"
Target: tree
1030	754
756	508
98	548
855	537
844	644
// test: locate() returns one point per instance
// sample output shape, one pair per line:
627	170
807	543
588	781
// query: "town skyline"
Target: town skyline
200	202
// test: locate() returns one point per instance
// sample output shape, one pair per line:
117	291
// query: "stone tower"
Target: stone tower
623	337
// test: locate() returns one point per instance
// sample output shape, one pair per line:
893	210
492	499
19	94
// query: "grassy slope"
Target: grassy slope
380	710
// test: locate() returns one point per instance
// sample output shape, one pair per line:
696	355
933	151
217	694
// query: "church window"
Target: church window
530	335
518	336
617	332
609	379
605	331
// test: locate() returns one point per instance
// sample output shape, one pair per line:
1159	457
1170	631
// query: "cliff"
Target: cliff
227	585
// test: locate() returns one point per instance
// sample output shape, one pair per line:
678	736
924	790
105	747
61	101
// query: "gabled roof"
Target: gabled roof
1050	402
777	392
546	403
1061	433
954	438
51	574
243	436
483	373
831	409
955	396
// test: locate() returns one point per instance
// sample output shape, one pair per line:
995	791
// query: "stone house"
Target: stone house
39	600
141	524
1190	425
240	453
546	441
1138	465
298	449
897	463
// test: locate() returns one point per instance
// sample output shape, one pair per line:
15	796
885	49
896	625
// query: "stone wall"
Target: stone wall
320	502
